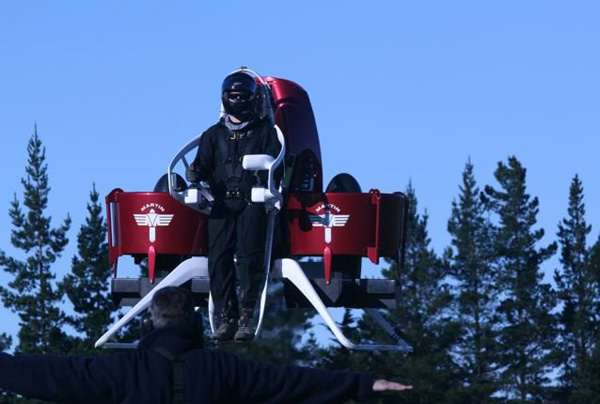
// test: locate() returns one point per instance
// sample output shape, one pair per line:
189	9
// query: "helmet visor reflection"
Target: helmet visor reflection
238	96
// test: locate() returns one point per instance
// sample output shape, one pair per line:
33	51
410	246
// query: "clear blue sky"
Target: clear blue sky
402	91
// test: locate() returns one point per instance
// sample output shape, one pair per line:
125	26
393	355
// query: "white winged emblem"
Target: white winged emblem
328	221
153	219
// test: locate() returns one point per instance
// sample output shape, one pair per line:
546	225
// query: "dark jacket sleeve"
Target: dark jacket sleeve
257	382
203	164
57	378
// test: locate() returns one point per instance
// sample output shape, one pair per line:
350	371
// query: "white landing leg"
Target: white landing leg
267	267
188	269
291	270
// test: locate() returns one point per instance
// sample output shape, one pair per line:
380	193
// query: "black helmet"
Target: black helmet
240	96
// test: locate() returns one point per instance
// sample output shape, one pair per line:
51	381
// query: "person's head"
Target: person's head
172	306
240	96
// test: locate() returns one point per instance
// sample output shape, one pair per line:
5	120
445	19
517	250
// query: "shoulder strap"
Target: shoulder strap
251	139
225	152
178	369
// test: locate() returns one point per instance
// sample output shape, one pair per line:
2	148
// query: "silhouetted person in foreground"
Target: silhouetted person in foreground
171	366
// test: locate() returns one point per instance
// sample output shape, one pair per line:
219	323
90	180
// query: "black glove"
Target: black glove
192	175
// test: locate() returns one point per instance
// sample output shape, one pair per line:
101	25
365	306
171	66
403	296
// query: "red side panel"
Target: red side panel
112	220
369	225
143	222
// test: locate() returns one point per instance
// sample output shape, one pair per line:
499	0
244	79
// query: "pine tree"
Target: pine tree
33	294
588	387
87	286
577	292
526	332
472	258
423	313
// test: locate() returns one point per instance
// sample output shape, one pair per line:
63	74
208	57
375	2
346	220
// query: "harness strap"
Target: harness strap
227	153
178	372
227	145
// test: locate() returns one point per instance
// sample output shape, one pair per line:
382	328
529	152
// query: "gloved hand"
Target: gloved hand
192	175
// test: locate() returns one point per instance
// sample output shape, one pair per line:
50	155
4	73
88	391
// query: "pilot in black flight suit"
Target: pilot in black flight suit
236	226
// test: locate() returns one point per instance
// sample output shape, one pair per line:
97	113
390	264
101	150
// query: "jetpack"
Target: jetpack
324	234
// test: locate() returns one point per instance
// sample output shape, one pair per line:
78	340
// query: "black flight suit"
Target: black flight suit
236	225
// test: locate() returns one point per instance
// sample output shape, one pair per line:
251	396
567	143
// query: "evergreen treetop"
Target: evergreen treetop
472	267
526	323
87	286
578	293
33	294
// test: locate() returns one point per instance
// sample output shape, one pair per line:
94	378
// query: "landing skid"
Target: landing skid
283	269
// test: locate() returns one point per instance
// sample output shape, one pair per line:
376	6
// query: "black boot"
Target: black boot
245	331
227	328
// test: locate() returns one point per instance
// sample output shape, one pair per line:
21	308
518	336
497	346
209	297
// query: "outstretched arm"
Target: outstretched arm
249	381
55	378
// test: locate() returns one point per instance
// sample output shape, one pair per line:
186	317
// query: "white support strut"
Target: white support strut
272	199
188	269
267	268
291	270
